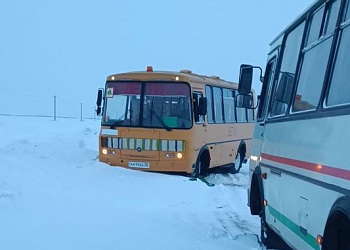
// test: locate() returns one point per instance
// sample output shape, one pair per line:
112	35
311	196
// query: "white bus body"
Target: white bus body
299	167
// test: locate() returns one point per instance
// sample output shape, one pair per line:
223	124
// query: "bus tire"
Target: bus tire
202	163
270	239
237	164
267	236
337	230
255	200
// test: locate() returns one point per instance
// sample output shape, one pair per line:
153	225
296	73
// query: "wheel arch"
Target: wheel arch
338	220
242	147
204	151
256	192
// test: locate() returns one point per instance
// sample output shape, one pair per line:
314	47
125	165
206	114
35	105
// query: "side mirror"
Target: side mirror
244	101
202	106
99	102
99	111
245	79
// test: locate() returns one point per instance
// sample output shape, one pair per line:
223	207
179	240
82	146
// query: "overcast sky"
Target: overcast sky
68	47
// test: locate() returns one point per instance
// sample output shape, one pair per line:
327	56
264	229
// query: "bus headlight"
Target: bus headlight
255	158
104	151
179	156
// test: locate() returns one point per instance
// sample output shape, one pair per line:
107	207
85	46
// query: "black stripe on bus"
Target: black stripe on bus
309	179
221	142
323	113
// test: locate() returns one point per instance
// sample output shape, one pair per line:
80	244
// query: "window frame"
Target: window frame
323	83
266	90
199	95
210	101
233	91
220	101
279	62
323	37
344	23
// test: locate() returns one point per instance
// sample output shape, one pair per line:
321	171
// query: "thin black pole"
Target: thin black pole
81	111
54	107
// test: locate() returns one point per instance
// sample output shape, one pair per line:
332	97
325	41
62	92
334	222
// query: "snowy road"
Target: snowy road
54	194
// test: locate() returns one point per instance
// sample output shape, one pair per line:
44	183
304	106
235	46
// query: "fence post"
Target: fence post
81	111
54	107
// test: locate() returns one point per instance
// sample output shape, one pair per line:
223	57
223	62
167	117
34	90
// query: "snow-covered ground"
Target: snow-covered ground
55	194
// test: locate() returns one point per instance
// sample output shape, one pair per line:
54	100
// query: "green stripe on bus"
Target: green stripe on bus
308	238
128	143
143	144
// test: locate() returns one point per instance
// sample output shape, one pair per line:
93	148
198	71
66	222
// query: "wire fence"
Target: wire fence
55	107
55	118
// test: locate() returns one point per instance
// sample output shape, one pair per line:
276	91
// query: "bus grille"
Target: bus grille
143	144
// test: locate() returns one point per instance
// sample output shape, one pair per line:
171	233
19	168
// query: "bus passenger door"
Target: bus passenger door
264	100
199	127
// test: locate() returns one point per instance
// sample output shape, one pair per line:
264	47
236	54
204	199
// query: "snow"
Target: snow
55	194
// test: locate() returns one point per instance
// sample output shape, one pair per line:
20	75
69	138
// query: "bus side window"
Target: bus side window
218	106
347	16
266	90
283	90
209	95
339	90
250	115
315	59
197	118
229	106
241	115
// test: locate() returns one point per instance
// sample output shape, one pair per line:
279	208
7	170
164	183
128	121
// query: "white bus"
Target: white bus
299	167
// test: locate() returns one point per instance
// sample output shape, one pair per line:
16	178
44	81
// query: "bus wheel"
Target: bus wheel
237	164
267	235
270	239
337	232
202	164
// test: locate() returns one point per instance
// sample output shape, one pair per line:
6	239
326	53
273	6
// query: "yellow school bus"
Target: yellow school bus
173	122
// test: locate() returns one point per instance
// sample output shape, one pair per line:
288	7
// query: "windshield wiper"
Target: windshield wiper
117	122
121	119
160	120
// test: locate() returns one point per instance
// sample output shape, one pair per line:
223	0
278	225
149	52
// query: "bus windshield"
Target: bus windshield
151	104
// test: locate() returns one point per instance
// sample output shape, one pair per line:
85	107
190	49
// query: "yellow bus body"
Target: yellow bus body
157	149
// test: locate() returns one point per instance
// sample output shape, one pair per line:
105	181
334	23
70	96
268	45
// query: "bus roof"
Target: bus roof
314	5
182	75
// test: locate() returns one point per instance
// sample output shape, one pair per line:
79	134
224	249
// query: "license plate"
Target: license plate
138	164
